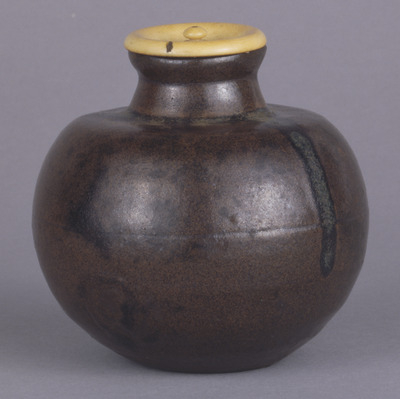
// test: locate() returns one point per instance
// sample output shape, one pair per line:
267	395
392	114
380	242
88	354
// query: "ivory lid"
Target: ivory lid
203	39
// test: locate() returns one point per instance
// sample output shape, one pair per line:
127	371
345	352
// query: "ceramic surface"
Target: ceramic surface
199	229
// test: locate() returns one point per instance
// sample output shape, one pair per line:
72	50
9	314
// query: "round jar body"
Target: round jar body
215	246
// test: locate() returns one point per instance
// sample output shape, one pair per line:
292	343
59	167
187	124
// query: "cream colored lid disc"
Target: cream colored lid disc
205	39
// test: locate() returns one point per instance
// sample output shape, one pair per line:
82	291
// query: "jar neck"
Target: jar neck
195	88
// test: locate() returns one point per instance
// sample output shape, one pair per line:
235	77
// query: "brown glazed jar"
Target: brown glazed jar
199	229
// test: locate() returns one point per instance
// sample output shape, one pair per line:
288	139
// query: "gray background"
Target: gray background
61	59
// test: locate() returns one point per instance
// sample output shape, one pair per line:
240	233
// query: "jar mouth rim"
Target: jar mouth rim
205	39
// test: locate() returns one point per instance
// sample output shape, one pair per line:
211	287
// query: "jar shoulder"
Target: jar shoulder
120	133
275	117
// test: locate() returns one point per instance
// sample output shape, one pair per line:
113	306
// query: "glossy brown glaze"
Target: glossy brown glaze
198	229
